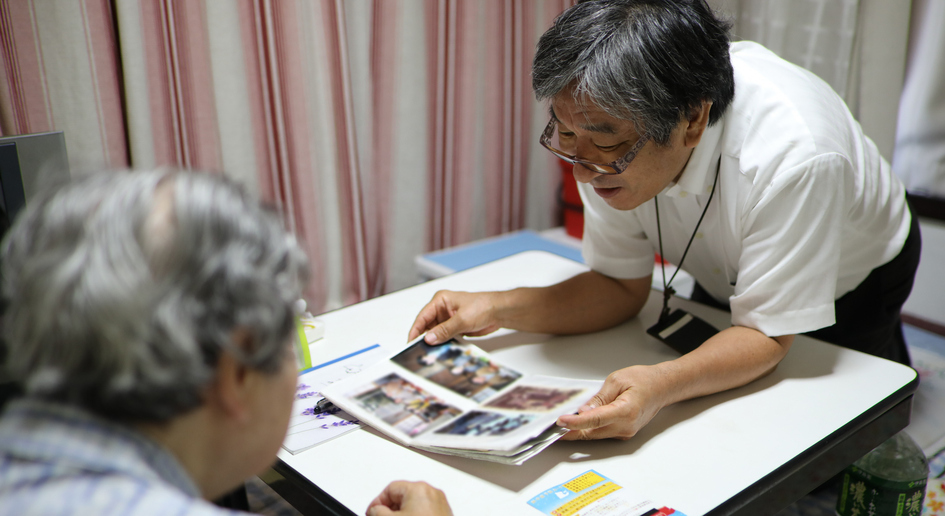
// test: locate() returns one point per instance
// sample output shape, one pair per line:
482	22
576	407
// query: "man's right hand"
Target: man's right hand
584	303
450	314
410	499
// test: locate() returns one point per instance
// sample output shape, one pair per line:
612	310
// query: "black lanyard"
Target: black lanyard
667	288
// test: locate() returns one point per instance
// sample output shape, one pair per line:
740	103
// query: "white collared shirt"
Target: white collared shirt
805	206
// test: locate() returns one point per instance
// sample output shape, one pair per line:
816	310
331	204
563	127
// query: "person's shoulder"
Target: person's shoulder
35	488
783	115
166	499
751	54
768	86
747	48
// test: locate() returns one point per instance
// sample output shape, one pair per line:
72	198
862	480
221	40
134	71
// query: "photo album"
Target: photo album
454	399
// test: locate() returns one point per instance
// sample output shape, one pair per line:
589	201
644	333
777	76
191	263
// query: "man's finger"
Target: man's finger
442	332
479	333
606	395
607	432
393	495
379	510
579	435
424	320
414	332
594	418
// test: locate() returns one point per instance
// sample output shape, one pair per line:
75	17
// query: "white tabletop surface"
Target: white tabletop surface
692	456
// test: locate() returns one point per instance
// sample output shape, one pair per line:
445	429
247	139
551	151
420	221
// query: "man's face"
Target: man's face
273	395
586	131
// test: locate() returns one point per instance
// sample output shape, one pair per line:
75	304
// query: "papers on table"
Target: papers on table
455	399
308	427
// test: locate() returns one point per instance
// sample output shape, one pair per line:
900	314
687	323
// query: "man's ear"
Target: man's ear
696	123
229	390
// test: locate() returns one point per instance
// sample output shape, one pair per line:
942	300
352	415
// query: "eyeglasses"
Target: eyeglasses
615	167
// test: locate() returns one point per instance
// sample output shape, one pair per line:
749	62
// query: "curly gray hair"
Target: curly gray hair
123	289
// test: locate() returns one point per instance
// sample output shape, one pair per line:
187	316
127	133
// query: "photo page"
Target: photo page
454	398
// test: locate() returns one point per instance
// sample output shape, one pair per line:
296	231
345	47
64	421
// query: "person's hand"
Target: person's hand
625	404
409	499
450	314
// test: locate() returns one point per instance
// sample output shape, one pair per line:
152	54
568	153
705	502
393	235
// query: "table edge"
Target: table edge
745	501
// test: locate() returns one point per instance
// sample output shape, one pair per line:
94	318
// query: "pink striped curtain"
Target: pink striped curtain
381	128
60	72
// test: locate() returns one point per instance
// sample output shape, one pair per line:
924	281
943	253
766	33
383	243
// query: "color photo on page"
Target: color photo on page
402	405
463	369
534	398
435	398
478	423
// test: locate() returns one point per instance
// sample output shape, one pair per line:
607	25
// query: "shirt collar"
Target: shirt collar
698	175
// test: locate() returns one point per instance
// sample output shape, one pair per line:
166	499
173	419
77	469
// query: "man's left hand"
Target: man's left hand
624	405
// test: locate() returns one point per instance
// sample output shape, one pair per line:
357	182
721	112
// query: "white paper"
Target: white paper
308	428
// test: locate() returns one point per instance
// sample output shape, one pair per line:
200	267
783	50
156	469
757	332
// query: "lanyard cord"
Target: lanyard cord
667	289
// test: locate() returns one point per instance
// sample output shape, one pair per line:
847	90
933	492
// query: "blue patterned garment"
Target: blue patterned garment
56	459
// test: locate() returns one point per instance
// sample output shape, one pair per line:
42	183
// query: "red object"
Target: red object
571	203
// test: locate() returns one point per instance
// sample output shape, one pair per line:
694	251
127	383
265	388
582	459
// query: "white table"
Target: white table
751	450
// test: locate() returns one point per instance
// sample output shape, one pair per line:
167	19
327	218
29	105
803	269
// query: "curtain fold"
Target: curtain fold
815	34
856	46
60	71
381	129
487	174
920	140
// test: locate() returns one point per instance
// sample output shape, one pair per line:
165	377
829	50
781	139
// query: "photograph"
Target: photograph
461	368
478	423
534	398
403	405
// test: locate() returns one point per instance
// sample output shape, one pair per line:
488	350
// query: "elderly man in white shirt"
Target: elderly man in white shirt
747	171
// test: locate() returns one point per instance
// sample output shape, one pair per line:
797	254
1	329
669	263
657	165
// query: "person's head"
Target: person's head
635	69
132	295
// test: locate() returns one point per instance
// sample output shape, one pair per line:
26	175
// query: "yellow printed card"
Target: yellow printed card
593	494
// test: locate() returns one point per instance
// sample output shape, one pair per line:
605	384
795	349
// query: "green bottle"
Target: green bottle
888	481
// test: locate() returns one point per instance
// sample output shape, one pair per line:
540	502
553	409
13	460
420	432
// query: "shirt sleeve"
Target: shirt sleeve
791	245
614	243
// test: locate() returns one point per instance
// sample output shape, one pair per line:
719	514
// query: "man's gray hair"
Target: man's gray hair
648	61
123	289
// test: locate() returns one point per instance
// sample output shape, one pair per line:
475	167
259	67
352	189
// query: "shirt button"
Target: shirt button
699	234
716	271
683	194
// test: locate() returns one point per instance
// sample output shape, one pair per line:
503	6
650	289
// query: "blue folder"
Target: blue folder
454	259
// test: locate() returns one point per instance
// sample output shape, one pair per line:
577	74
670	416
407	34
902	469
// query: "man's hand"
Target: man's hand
456	313
410	499
625	404
631	397
584	303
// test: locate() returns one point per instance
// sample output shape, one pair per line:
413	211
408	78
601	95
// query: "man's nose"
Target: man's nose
583	149
582	174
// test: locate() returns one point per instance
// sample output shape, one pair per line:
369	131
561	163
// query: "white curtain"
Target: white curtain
857	46
920	143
